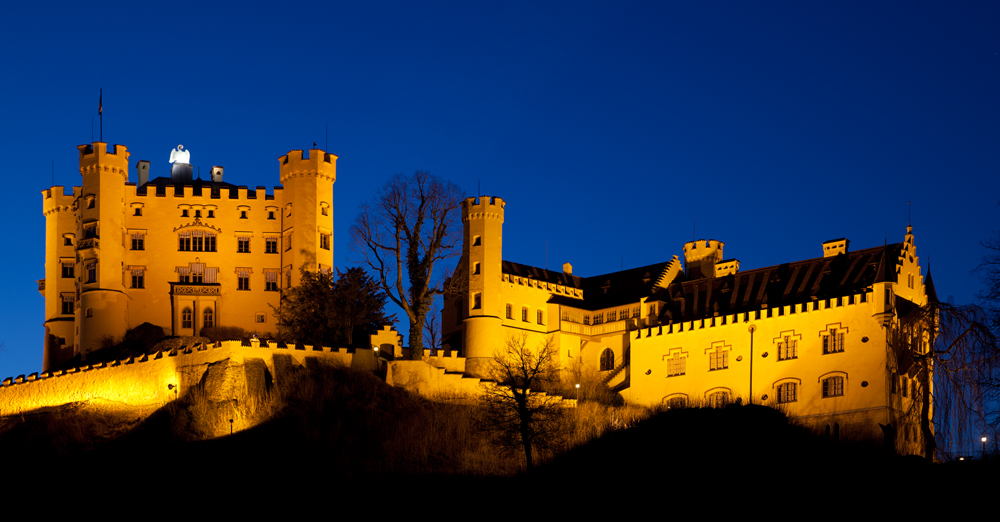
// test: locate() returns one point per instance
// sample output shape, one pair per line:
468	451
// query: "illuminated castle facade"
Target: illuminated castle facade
176	252
810	336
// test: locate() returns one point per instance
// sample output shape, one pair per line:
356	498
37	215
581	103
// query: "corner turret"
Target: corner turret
700	257
307	217
482	220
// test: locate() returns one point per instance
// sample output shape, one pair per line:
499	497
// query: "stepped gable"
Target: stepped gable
781	285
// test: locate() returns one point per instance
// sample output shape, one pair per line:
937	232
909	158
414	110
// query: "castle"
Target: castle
176	252
811	337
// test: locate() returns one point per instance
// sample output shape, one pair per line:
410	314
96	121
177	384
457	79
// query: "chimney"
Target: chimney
835	247
142	167
567	269
217	174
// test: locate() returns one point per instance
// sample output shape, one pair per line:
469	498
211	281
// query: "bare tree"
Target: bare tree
954	345
432	332
410	226
517	412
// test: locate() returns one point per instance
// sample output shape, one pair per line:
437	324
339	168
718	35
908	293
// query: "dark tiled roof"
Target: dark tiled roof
786	284
603	291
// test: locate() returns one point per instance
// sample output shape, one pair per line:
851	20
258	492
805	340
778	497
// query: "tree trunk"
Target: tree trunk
925	413
417	337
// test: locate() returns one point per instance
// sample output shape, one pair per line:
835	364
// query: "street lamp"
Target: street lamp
982	456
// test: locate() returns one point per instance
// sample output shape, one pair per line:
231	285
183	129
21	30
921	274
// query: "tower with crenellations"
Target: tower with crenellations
179	253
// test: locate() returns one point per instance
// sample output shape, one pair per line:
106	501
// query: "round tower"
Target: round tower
59	285
100	251
482	220
307	211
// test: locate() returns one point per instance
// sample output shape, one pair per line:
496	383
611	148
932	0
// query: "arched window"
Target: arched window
209	319
719	399
186	318
607	360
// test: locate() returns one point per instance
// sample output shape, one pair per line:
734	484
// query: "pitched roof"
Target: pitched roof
798	282
602	291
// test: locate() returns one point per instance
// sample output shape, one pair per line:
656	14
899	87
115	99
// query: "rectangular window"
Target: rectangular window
184	213
138	241
510	312
92	271
288	242
138	281
475	269
787	392
477	301
138	211
270	215
243	278
260	318
524	314
243	245
538	317
184	242
67	269
324	241
211	213
788	348
718	360
270	279
833	387
271	245
833	342
599	318
67	303
90	231
676	365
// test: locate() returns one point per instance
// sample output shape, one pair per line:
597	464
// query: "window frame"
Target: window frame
787	392
833	386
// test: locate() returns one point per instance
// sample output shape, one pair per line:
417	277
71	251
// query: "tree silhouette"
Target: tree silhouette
516	411
410	226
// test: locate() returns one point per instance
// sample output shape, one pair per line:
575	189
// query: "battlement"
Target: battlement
95	158
241	193
317	163
700	257
56	199
483	207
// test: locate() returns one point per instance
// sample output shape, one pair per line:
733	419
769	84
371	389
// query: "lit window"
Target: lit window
787	392
271	245
324	241
676	365
718	360
208	319
538	317
510	312
138	241
243	245
607	360
833	386
833	341
787	348
186	317
67	269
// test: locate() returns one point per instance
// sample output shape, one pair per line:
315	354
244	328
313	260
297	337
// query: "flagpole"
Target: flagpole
100	112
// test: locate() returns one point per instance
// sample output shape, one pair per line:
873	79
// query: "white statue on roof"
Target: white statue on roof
179	155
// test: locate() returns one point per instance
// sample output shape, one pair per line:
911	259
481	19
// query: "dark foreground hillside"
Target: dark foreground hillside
335	428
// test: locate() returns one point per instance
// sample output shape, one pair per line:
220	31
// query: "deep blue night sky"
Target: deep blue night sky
607	127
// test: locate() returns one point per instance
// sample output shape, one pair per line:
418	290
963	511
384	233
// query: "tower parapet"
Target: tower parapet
700	257
318	163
